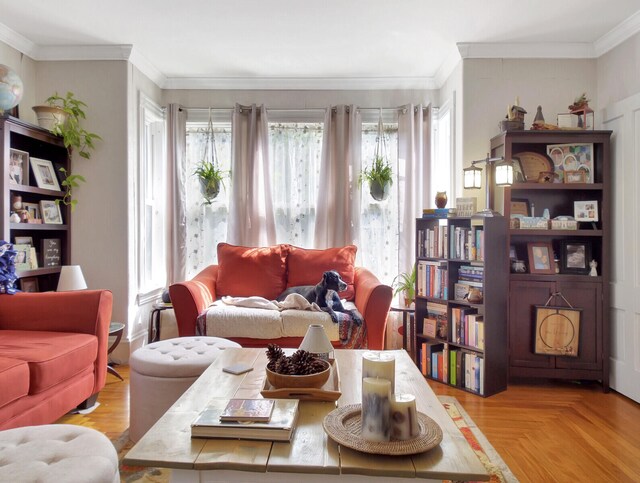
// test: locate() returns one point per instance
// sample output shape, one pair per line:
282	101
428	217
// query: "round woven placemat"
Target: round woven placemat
343	426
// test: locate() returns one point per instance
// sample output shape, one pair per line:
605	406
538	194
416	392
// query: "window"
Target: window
152	188
206	224
441	176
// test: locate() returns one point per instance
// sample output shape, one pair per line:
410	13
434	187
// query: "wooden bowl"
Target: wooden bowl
316	380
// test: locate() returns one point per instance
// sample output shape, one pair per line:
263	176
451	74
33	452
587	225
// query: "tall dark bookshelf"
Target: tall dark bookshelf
493	266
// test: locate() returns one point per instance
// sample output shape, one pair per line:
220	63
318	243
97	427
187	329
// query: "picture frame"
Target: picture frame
23	256
51	213
541	258
51	250
557	331
518	172
18	167
575	177
519	207
29	284
33	209
23	240
575	256
572	157
585	210
45	174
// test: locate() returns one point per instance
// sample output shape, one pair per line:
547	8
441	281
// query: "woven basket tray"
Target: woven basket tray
343	426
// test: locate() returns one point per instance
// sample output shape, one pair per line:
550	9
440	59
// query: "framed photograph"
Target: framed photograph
541	258
45	174
585	210
518	172
575	256
24	240
29	284
575	177
18	167
33	209
519	207
23	256
557	331
572	157
50	212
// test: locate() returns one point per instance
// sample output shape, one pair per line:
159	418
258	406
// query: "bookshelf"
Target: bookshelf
462	341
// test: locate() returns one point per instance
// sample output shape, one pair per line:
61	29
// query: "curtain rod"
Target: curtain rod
291	109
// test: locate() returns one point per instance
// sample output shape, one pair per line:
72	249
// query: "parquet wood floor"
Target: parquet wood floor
545	431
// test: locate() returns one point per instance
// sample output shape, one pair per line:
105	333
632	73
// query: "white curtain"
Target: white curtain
176	202
414	162
338	206
251	218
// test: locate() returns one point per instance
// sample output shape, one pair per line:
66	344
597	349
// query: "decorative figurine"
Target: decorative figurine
539	119
441	199
593	264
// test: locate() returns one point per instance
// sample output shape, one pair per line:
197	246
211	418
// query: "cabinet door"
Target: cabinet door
588	297
523	297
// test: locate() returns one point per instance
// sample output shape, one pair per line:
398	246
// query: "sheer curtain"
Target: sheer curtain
338	202
251	218
414	163
177	217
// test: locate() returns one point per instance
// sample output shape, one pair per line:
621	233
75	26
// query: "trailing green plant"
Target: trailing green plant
405	283
74	136
211	177
380	171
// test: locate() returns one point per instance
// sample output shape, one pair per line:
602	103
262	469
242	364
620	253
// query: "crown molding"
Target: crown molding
526	50
617	35
299	83
17	41
147	68
447	68
84	52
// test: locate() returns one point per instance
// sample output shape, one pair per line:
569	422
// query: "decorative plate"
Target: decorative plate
533	164
343	426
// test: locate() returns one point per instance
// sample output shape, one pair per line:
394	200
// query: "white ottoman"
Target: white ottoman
55	453
161	372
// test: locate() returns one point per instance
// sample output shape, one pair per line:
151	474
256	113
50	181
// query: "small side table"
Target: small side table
408	326
116	329
154	320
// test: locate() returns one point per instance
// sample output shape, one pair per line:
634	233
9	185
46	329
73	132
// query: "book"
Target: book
248	410
279	428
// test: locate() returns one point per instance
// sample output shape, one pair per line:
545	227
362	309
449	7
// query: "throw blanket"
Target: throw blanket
351	331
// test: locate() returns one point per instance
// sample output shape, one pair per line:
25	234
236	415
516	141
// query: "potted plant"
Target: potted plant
406	283
380	178
66	113
210	177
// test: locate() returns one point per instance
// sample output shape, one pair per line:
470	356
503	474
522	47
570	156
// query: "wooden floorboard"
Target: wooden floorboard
545	431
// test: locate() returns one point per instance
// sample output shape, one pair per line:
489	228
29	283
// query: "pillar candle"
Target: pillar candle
404	417
381	365
376	407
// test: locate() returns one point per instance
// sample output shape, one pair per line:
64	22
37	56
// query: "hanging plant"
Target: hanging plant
379	175
208	171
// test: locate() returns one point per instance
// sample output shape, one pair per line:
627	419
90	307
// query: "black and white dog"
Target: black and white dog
325	295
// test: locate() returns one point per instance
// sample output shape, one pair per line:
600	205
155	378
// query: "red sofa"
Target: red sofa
267	272
53	353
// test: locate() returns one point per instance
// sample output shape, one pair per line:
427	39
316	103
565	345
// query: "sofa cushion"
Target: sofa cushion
306	266
14	380
247	271
53	357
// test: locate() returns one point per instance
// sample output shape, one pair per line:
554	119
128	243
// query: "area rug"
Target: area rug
496	467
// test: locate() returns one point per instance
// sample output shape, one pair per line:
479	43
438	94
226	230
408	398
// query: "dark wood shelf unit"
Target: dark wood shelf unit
39	143
493	307
527	290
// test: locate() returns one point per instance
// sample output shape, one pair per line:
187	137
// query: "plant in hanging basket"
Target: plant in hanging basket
210	177
380	178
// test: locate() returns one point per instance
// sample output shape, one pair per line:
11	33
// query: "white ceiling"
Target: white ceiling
331	43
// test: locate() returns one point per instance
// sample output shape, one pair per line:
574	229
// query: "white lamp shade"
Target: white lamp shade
71	278
316	341
472	177
504	174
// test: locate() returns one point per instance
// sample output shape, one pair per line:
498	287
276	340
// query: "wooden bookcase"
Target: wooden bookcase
589	293
490	265
38	143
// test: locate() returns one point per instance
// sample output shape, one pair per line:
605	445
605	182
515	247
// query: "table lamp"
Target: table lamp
317	342
71	279
498	173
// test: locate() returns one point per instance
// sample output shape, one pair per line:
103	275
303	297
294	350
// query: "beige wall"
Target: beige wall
25	67
618	72
452	91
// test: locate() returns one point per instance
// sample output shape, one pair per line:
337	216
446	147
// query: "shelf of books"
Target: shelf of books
461	302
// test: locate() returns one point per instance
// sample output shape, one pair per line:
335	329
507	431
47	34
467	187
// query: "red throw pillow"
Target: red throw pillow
247	271
307	266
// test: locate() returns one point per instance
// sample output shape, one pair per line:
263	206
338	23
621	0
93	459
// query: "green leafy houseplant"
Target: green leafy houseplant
406	283
211	177
75	137
379	176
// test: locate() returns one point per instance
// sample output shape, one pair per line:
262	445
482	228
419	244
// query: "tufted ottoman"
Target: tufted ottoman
161	372
57	453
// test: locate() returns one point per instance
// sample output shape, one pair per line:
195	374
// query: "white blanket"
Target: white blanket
291	302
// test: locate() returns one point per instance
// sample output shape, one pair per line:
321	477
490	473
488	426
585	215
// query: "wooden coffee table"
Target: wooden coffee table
311	456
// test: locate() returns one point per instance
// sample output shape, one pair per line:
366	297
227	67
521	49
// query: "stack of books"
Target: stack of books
261	419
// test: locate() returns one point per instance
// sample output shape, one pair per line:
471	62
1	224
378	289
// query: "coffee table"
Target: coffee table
311	456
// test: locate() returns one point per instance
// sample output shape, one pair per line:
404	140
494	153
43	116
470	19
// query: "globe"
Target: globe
11	88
